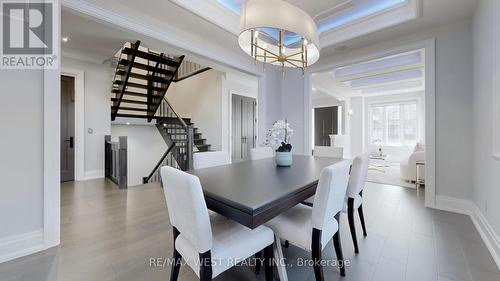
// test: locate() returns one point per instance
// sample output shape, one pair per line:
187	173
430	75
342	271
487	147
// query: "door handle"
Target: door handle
71	142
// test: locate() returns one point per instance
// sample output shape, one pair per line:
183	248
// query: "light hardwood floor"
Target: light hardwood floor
110	234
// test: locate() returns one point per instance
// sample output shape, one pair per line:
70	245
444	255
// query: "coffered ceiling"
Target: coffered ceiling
337	20
394	74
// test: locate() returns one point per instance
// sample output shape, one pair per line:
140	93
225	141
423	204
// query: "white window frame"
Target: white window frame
389	103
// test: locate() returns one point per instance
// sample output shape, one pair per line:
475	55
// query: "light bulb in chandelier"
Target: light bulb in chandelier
279	33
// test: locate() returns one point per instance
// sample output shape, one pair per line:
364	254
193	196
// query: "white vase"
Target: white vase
283	159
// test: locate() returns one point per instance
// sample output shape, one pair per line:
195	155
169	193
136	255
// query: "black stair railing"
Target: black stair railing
166	160
179	137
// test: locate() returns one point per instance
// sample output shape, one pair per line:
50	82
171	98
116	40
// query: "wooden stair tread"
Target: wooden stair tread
138	85
130	108
130	101
146	67
151	56
137	94
146	77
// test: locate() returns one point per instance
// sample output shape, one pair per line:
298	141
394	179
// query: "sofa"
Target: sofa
408	166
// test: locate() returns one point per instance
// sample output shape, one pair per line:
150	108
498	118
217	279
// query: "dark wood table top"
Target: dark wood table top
253	192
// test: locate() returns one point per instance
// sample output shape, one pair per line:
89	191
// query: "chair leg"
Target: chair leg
206	266
362	219
176	263
352	227
338	249
258	262
268	262
316	254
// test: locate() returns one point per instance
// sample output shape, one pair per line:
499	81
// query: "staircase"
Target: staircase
141	81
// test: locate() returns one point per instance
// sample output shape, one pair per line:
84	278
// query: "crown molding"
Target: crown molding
409	10
213	12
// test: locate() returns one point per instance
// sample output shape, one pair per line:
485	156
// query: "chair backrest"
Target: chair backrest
261	153
330	193
358	175
187	209
329	151
210	159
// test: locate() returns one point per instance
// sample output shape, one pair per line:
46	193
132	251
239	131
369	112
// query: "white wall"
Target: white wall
145	147
199	98
486	193
357	131
21	150
97	96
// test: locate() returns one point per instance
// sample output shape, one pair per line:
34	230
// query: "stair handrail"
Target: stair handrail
157	166
189	135
183	123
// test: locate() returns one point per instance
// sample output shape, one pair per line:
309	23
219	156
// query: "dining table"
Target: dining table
254	192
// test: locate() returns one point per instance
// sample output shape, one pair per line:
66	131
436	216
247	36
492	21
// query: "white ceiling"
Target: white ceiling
395	74
317	7
101	40
434	13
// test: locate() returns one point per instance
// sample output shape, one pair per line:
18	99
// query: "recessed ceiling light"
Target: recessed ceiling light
65	39
128	123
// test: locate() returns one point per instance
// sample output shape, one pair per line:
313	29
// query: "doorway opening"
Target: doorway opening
388	101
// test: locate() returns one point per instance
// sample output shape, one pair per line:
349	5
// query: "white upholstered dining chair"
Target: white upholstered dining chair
311	228
325	151
210	159
208	244
328	151
261	153
354	195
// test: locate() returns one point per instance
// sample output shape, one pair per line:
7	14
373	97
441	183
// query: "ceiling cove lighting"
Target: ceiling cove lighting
279	33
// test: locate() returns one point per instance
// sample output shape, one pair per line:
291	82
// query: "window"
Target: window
394	124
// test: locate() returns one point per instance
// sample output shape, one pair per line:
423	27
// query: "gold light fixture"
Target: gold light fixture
278	33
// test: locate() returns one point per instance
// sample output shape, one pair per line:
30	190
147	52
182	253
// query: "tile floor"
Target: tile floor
109	234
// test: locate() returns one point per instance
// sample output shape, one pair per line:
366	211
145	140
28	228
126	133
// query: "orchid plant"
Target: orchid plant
279	135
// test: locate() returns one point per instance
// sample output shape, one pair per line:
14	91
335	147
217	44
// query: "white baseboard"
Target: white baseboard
21	245
95	174
455	205
468	207
488	234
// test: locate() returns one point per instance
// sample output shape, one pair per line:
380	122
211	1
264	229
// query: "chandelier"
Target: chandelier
278	33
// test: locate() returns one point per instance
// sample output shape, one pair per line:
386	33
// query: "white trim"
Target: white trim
21	245
79	76
487	233
407	11
94	174
483	227
455	205
213	12
51	146
496	83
